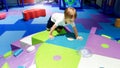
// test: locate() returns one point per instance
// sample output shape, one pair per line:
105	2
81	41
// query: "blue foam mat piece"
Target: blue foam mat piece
7	38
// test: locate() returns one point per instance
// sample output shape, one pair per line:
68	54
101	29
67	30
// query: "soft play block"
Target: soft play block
37	14
5	65
15	45
17	52
2	15
26	15
42	12
43	36
63	40
7	54
98	61
53	56
32	13
26	41
21	66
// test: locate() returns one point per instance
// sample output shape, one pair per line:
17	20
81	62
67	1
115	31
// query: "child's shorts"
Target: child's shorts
50	24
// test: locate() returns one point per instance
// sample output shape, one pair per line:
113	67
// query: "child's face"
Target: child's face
69	20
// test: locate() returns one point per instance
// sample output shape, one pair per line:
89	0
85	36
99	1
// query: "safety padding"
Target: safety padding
2	15
33	13
56	57
41	37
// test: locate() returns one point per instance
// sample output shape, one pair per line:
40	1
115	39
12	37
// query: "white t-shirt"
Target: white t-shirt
58	19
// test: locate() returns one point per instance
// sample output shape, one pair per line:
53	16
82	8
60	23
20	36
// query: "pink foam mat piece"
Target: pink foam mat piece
94	44
93	30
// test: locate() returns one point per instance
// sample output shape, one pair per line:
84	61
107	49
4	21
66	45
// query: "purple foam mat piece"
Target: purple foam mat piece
100	18
16	45
24	59
89	23
93	30
2	61
94	44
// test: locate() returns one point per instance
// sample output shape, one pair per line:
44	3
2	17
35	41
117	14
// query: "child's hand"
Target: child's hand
79	38
51	36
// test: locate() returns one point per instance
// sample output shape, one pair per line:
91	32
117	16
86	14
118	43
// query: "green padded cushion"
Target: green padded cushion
106	36
68	58
7	54
43	36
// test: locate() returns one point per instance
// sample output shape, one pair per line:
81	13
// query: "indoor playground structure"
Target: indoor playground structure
70	3
64	49
25	42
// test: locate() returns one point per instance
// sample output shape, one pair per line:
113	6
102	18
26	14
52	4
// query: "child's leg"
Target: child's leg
59	28
50	23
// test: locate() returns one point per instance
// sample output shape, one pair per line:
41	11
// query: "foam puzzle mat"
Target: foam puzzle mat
63	40
53	56
43	36
98	61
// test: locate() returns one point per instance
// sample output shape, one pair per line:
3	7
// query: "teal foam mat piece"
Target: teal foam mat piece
62	40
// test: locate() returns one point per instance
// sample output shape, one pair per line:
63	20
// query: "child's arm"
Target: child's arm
76	33
51	31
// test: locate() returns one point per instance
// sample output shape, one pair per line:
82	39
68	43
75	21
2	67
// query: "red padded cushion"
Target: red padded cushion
42	12
2	15
26	15
33	13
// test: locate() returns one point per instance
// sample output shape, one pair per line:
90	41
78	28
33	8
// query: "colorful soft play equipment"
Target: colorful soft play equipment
62	52
8	54
43	36
27	1
17	52
93	51
2	15
33	13
70	3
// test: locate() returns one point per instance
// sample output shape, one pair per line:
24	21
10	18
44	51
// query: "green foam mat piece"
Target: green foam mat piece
5	65
52	56
104	45
43	36
7	54
118	41
106	36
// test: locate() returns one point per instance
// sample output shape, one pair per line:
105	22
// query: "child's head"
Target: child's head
70	14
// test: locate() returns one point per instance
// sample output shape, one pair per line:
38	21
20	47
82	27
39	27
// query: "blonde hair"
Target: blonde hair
70	12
